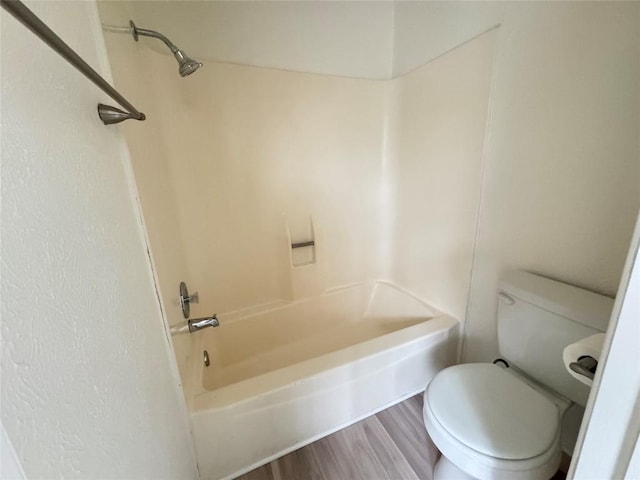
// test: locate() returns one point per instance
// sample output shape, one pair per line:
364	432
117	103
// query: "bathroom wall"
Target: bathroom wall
89	386
346	38
561	187
132	70
436	135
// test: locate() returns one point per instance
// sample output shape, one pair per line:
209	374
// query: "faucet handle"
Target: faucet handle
586	365
193	298
186	299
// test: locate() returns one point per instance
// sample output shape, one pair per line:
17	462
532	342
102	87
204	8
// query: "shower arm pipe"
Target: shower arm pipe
137	31
107	114
152	33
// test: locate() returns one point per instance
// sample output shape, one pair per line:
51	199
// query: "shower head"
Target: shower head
186	65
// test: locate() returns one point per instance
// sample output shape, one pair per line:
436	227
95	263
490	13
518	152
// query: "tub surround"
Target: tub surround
292	155
436	141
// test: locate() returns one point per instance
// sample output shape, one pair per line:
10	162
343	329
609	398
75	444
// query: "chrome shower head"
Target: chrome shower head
186	65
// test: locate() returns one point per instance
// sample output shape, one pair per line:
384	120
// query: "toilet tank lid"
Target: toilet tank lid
582	306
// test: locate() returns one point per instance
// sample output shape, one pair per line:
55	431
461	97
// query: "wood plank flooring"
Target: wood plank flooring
391	445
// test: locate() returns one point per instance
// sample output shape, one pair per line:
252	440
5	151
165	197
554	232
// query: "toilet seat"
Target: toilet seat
492	425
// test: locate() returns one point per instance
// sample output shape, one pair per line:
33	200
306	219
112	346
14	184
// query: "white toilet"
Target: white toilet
496	423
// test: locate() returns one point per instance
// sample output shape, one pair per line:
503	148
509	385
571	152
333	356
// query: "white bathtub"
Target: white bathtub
282	378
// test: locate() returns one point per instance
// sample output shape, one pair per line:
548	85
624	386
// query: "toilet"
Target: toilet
503	421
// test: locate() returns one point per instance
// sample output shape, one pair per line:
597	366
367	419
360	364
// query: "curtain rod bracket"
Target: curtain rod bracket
108	115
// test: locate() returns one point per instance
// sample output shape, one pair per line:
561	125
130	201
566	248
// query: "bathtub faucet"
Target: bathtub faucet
196	324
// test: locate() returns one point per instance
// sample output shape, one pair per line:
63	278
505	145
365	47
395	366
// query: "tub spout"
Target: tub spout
196	324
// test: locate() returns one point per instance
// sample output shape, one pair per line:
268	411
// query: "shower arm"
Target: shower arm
151	33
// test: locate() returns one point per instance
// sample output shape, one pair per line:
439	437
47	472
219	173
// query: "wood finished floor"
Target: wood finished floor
391	445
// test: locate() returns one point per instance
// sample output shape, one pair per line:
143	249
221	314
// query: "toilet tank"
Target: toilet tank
538	318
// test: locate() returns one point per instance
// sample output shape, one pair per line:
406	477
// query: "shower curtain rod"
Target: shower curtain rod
108	114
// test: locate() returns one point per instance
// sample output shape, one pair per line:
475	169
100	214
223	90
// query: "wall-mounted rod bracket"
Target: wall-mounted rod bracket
107	114
110	115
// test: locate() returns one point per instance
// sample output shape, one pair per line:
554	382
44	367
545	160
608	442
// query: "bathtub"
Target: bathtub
287	375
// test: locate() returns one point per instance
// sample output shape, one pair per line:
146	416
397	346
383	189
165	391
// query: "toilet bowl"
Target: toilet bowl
498	423
490	424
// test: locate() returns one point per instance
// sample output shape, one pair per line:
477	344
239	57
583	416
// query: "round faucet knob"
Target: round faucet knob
186	299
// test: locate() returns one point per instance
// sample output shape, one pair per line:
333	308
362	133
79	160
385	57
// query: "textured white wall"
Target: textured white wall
346	38
561	188
89	389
